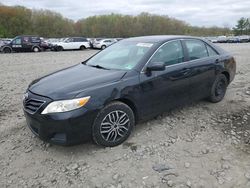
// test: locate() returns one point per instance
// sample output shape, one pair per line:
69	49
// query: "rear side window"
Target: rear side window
196	49
211	51
171	53
80	39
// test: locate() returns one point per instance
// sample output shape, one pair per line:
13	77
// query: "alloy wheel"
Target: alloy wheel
115	126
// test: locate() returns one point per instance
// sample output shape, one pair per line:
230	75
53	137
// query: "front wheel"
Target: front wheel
113	125
6	50
218	89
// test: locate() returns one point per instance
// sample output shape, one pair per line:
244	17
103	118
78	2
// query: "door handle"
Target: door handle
217	61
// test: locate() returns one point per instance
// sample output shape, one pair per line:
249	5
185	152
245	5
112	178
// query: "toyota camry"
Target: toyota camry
136	79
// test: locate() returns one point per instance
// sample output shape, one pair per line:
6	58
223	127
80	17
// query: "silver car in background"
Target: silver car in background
104	43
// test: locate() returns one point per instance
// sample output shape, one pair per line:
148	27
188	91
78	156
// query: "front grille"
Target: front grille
32	105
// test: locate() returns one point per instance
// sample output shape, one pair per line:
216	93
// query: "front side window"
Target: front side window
122	55
211	51
17	41
171	53
196	49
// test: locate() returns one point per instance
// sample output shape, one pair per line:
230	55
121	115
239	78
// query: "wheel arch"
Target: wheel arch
36	46
4	47
131	104
227	75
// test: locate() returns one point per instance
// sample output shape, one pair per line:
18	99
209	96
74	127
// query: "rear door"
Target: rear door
202	60
163	90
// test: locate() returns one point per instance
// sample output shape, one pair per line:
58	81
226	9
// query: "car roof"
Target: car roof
158	38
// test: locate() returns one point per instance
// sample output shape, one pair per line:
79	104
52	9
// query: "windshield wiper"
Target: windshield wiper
99	67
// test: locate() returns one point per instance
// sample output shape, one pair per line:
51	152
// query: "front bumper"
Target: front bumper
66	128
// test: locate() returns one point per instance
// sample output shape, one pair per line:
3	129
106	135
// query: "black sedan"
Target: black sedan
133	80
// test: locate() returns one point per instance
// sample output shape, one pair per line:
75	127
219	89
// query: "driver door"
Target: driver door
166	89
16	44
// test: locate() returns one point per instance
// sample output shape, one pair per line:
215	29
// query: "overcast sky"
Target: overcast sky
195	12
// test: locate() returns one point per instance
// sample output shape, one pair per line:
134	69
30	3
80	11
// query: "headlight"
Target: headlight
65	105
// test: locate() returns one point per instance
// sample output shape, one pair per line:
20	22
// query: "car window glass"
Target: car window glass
122	55
211	51
171	53
17	41
25	39
196	49
69	40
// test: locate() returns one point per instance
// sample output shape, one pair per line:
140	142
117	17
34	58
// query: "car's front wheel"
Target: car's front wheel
218	89
6	50
113	124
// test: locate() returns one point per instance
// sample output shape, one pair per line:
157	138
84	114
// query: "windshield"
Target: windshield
122	55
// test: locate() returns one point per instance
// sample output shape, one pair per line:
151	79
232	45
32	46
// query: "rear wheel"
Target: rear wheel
6	50
82	48
36	49
59	48
218	89
113	124
103	47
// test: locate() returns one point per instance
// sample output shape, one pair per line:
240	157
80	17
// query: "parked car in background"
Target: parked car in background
222	39
244	38
103	43
212	39
133	80
23	44
233	39
73	43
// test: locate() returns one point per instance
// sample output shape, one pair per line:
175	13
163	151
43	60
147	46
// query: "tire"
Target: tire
82	47
103	47
36	49
7	50
106	130
59	48
218	89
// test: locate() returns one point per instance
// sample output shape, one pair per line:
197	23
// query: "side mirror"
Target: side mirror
156	66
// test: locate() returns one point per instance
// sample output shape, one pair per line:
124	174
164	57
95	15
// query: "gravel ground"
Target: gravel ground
200	145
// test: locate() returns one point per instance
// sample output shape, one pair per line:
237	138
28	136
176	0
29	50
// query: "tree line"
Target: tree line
18	20
242	27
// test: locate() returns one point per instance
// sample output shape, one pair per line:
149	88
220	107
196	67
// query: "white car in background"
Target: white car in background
73	43
104	43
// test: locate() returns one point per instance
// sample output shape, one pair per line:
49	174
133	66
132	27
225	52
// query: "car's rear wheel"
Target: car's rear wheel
113	124
6	50
103	47
59	48
36	49
82	48
218	89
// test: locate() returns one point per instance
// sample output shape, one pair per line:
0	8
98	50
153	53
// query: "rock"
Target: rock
225	166
115	176
205	151
189	184
10	174
170	183
247	175
160	167
187	165
28	150
73	166
221	180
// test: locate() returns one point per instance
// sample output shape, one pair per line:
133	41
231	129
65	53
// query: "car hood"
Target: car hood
67	83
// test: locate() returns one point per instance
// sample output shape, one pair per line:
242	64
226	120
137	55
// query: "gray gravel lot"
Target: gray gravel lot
200	145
